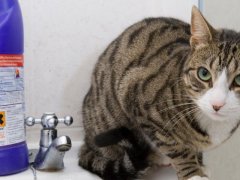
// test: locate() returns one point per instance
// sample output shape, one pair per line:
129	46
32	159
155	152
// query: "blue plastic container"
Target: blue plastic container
13	148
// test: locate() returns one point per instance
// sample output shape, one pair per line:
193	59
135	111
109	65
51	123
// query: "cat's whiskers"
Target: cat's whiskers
171	101
169	104
175	106
176	117
187	98
175	99
198	115
183	114
193	110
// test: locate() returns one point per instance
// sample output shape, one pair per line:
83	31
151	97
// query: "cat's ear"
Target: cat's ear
201	31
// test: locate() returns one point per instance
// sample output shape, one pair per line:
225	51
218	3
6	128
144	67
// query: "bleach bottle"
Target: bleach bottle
13	148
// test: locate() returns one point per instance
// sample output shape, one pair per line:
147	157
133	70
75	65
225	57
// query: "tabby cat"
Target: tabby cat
162	89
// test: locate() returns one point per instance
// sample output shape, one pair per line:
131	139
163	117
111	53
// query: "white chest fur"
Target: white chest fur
218	131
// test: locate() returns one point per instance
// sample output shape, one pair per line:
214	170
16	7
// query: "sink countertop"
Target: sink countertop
72	171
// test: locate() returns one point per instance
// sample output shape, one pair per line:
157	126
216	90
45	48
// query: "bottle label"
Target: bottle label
12	129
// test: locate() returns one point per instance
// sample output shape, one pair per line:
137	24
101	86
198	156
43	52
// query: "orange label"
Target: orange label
2	119
8	60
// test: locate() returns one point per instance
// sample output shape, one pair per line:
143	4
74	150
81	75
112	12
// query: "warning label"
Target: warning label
2	119
11	99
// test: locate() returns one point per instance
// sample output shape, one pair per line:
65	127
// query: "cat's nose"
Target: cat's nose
217	107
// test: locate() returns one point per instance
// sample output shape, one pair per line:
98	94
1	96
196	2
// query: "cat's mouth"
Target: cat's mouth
217	116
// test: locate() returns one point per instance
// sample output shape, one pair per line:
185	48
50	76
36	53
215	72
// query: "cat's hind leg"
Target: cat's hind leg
86	159
108	163
119	155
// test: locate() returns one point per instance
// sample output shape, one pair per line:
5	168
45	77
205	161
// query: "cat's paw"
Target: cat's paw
198	178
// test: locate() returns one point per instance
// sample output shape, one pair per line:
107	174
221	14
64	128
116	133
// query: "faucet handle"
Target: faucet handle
49	120
67	120
30	121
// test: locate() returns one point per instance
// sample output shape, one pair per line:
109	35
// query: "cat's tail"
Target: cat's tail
125	167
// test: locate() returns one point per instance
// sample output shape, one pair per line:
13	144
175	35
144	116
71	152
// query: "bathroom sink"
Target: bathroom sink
72	171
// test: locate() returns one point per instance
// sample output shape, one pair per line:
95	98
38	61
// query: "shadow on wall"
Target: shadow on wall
77	87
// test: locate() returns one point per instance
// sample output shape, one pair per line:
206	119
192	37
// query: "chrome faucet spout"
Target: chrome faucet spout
52	148
51	158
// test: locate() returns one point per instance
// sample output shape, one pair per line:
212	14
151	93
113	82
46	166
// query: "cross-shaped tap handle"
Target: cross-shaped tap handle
49	120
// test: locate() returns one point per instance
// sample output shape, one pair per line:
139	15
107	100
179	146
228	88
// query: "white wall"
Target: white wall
222	13
224	161
63	40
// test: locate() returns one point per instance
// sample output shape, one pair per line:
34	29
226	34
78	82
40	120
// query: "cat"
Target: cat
162	89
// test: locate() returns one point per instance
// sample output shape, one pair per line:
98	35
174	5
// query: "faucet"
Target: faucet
52	148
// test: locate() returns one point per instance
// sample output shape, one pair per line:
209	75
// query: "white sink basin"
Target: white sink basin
72	171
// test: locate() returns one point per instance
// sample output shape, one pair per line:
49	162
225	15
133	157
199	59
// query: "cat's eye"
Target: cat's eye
237	80
204	74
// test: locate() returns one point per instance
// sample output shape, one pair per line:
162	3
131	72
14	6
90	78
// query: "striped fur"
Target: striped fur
141	107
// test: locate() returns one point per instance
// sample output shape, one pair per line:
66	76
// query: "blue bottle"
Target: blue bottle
13	148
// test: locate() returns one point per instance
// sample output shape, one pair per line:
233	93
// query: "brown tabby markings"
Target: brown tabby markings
138	84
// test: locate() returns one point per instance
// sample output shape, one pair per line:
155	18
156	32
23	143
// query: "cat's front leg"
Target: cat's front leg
186	163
